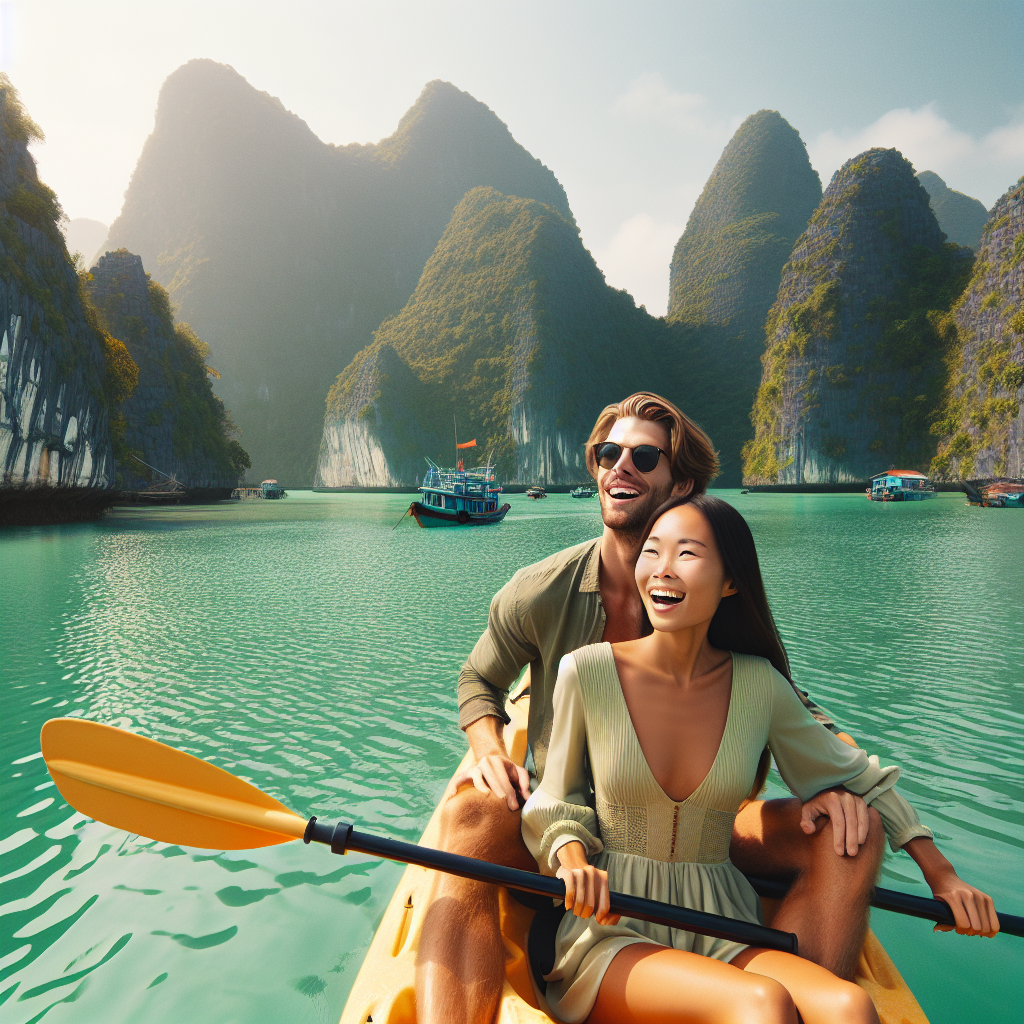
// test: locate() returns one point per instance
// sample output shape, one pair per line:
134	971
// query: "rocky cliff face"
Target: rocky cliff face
172	421
726	268
853	367
59	374
285	253
960	217
512	328
982	423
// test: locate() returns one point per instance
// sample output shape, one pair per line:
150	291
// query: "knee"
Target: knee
850	1004
472	822
768	1002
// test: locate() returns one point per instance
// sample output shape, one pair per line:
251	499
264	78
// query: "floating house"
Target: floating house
900	485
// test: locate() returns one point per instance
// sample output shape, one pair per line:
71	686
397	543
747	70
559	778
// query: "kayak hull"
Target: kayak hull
384	990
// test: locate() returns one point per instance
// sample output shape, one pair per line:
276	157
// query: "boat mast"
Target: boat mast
456	425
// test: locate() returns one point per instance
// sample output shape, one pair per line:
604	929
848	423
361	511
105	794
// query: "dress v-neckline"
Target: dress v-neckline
639	745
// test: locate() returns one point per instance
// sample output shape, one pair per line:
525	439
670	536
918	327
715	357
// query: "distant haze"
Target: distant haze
85	235
629	105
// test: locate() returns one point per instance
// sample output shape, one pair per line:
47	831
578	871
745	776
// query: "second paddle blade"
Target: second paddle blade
153	790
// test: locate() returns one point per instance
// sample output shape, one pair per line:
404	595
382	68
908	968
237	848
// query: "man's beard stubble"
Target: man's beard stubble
631	521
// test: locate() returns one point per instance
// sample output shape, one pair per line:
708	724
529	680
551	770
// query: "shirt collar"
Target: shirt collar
591	581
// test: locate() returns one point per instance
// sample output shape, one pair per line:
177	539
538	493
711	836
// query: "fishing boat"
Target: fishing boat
536	492
458	497
384	989
583	491
996	494
900	485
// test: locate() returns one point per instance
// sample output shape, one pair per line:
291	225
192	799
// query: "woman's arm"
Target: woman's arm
586	887
560	810
973	910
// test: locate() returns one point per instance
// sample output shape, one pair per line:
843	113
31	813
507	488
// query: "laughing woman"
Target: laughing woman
655	745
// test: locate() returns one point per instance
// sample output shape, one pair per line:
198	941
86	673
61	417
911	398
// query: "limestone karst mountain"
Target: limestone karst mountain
286	253
726	268
960	217
511	326
62	377
854	366
173	421
982	422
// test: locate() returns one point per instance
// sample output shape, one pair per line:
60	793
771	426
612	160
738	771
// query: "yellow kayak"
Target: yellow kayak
384	990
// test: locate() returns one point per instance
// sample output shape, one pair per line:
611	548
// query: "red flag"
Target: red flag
468	444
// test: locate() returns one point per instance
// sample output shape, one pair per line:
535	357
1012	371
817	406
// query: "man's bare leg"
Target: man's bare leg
460	965
828	903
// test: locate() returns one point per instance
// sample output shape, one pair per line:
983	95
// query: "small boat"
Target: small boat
272	489
458	497
536	492
996	494
583	491
384	989
900	485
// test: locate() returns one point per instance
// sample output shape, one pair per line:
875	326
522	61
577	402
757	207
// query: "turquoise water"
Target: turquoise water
311	649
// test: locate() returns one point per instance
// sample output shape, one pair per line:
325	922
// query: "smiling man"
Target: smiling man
641	452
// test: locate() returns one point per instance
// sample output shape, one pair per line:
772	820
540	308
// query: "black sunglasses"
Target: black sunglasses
645	456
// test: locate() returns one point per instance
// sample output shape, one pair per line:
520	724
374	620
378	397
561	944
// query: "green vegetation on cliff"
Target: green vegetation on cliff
960	217
175	421
853	370
980	426
726	268
286	253
63	368
513	327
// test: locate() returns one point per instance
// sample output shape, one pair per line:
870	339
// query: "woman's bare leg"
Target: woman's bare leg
820	996
648	984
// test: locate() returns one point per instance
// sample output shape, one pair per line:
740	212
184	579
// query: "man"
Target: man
649	451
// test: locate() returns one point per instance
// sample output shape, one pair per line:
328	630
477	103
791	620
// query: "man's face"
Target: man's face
627	496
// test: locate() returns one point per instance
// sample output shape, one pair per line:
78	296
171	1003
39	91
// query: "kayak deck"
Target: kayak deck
384	989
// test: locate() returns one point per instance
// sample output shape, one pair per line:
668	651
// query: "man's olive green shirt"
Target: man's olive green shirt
546	611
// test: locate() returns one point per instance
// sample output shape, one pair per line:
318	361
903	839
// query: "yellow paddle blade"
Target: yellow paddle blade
153	790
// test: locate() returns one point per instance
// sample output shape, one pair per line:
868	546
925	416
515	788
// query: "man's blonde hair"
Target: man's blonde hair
691	454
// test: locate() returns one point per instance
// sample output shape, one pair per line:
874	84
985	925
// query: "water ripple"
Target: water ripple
310	649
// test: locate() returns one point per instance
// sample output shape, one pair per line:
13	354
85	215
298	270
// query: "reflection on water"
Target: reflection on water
307	647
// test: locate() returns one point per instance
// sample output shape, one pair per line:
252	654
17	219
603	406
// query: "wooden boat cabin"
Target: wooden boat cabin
900	485
1001	493
458	497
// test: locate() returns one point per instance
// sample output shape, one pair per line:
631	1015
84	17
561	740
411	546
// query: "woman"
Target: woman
655	745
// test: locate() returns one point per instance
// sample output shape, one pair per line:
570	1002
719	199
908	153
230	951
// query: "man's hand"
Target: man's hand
849	816
494	772
586	887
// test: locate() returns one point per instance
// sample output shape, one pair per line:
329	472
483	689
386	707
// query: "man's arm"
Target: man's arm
494	664
494	771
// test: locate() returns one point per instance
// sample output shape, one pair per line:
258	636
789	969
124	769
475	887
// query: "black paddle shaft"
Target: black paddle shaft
899	902
341	838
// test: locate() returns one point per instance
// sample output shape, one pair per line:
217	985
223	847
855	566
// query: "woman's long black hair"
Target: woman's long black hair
743	622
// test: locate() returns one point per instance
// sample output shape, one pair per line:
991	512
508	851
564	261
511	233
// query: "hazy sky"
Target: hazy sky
628	103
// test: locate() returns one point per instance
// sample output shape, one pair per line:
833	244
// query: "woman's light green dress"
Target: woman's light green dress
675	851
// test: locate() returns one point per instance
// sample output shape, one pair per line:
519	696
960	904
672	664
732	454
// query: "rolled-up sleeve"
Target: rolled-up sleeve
496	661
811	759
560	810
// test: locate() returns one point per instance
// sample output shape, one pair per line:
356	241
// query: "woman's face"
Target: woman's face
680	573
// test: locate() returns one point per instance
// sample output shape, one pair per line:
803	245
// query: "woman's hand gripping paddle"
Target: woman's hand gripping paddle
149	789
